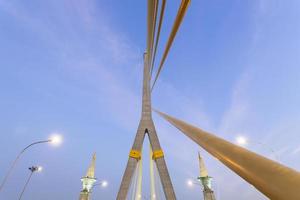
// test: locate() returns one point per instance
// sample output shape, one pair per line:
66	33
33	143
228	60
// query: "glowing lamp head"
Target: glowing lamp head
39	168
56	139
241	140
104	184
35	169
190	183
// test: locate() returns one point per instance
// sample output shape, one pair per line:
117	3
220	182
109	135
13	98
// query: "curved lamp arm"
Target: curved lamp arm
17	158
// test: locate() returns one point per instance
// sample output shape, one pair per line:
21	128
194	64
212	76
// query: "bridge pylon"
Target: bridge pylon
146	127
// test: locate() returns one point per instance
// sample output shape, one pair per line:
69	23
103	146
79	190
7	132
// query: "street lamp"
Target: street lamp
54	139
191	183
32	170
103	184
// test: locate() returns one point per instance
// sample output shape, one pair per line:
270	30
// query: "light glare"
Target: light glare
104	184
56	139
40	168
190	183
241	140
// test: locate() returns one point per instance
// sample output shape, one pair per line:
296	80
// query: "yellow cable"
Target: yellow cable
161	16
150	28
180	14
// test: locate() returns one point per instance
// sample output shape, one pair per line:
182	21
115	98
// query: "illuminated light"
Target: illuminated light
241	140
190	183
39	168
56	139
104	183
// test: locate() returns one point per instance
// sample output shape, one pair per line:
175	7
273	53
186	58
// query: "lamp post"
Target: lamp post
32	170
55	140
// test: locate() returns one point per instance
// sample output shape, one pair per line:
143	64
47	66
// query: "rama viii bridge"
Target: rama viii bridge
274	180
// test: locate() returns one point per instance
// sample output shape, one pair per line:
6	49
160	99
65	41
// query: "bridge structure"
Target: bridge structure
273	179
146	125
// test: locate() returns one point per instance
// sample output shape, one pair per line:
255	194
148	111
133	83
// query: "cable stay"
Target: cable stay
180	15
152	180
154	29
134	183
161	16
151	21
158	185
139	180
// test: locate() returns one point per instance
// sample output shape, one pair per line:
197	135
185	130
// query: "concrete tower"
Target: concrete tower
88	181
146	125
205	181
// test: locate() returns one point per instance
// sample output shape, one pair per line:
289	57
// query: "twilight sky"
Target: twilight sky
75	67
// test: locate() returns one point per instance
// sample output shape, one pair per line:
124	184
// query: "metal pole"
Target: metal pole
16	160
32	169
25	186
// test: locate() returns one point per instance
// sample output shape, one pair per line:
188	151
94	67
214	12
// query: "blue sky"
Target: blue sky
75	67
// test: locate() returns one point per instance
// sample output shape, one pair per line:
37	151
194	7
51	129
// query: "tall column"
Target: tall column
88	181
205	180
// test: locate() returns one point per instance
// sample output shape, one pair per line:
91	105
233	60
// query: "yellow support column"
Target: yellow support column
152	179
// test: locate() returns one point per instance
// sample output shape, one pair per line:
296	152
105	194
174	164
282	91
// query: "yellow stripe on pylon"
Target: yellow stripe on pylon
135	154
157	154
